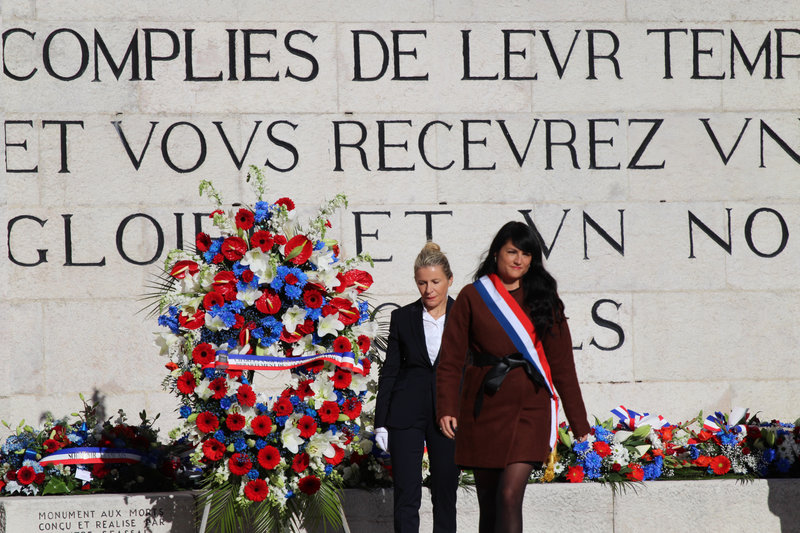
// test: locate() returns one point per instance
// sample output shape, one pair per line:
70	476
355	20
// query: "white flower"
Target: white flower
329	325
325	277
258	262
215	323
323	391
202	390
249	296
165	340
305	346
359	383
323	259
290	436
368	328
320	445
293	317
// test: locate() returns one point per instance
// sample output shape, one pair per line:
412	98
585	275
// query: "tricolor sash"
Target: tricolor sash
80	456
520	330
346	360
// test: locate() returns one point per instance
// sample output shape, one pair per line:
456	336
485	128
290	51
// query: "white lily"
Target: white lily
202	390
215	323
323	391
305	346
165	340
249	296
293	317
368	328
290	436
325	277
320	445
258	262
359	383
329	325
323	259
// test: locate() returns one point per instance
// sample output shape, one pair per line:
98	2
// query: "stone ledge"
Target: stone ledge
761	505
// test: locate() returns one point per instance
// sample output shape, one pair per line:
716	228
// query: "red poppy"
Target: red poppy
225	284
313	299
26	475
300	462
219	387
262	240
307	426
203	354
283	407
337	458
213	298
286	202
262	425
192	322
575	474
239	464
341	344
245	219
269	303
256	490
246	396
363	343
269	457
182	268
213	450
720	465
235	421
329	412
233	248
186	383
341	378
202	241
636	473
352	408
207	422
309	484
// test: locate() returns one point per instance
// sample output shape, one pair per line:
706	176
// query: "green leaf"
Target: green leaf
55	486
563	435
641	431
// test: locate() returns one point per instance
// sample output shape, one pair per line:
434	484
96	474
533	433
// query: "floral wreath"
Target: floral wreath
267	294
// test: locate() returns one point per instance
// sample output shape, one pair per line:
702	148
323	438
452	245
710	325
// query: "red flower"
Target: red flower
186	383
182	268
290	337
256	490
194	321
203	354
575	474
235	421
202	241
702	461
247	275
313	299
286	202
366	364
207	422
337	458
171	366
352	408
213	298
233	248
246	396
269	457
283	407
219	387
225	284
213	449
347	313
329	412
239	464
269	303
616	467
363	343
52	445
314	367
720	465
245	219
304	389
300	462
342	344
298	249
341	378
280	240
309	484
636	473
602	448
26	475
307	426
100	470
354	278
263	240
262	425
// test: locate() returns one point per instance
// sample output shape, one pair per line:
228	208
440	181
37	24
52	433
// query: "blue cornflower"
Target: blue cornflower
220	436
319	245
185	411
694	451
281	420
261	407
253	474
580	447
769	455
728	439
602	434
213	250
260	443
225	403
783	465
240	445
209	373
262	211
170	320
328	469
293	292
591	465
313	314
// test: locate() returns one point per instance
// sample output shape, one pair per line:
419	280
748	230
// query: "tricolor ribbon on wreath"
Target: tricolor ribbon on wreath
233	361
733	423
80	456
631	419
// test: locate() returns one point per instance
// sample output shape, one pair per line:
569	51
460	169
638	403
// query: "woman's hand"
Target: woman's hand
448	425
584	438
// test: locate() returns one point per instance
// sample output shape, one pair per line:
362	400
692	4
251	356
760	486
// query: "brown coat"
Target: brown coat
514	423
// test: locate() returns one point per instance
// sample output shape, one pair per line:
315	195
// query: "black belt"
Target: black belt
500	368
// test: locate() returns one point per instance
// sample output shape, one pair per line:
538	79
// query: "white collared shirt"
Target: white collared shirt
434	327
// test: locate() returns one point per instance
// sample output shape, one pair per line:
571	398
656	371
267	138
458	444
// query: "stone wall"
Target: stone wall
654	145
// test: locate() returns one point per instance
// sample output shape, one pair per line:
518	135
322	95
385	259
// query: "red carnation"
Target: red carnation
720	465
235	421
280	240
636	473
307	426
363	343
239	464
602	448
247	276
207	422
329	412
286	202
246	396
269	303
202	241
256	490
366	364
313	299
262	425
182	268
616	467
300	462
225	284
186	383
309	484
51	445
269	457
341	378
341	344
194	321
337	458
233	248
262	240
352	408
575	474
283	407
219	387
213	450
245	219
298	249
213	298
26	475
203	354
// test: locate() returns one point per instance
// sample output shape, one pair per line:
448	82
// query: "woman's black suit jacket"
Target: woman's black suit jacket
407	383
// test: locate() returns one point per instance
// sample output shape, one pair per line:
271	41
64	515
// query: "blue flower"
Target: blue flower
185	411
262	211
728	439
602	434
253	474
313	314
783	465
240	445
328	469
261	407
694	451
213	250
225	403
220	436
580	447
260	443
293	292
769	455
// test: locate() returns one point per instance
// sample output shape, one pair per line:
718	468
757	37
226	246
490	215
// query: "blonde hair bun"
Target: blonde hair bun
431	255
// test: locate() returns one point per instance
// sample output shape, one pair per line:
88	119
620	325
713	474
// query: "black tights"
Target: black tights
500	495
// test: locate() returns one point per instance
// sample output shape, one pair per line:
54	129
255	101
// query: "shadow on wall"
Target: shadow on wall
96	404
783	499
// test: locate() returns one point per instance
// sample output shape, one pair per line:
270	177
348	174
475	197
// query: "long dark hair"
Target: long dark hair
540	289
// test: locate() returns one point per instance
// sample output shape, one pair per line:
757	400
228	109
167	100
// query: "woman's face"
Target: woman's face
432	284
512	264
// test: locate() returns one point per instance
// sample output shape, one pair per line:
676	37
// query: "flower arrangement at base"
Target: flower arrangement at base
266	294
643	447
85	456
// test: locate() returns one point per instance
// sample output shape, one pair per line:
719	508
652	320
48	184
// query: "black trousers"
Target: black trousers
406	447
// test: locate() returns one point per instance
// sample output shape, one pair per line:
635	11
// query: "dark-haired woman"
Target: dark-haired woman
508	335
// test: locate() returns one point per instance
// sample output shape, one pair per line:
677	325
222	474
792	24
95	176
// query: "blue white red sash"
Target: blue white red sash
79	456
346	360
520	330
